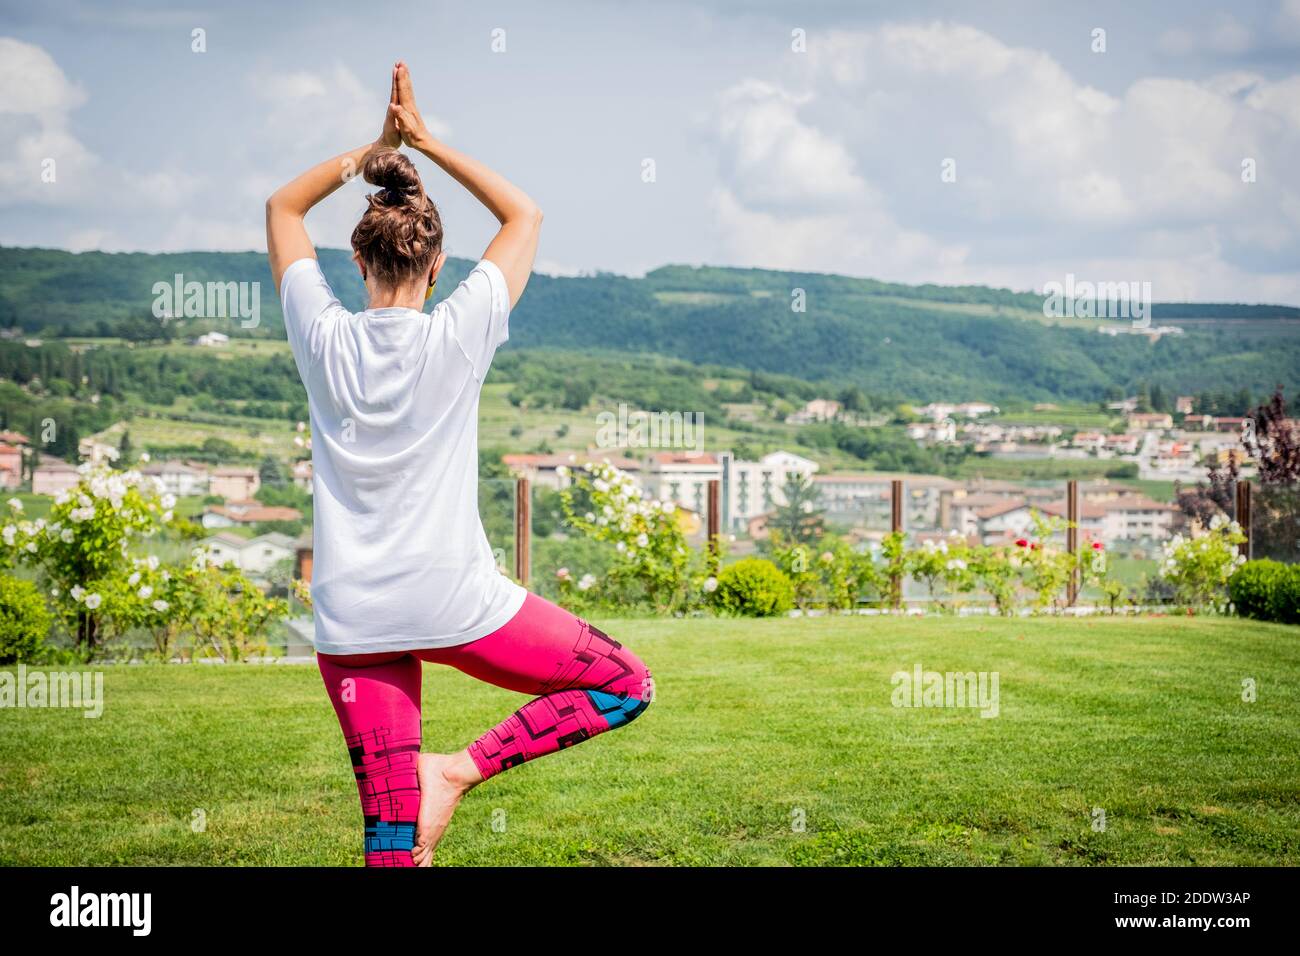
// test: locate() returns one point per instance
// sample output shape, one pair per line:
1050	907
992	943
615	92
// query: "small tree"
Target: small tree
799	520
83	548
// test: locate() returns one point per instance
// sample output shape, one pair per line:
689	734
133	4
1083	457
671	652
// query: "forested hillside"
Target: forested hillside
910	342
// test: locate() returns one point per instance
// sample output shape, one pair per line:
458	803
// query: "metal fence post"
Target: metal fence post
1243	516
896	524
1072	538
523	530
711	541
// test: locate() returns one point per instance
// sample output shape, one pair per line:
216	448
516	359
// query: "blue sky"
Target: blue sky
1123	165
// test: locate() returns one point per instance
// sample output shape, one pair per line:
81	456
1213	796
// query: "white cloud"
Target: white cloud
36	99
1049	169
1225	35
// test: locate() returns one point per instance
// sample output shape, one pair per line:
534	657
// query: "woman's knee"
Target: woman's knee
635	688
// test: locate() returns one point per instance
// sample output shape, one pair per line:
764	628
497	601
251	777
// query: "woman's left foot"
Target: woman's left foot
444	779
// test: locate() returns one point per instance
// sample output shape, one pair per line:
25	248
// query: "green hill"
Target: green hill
898	341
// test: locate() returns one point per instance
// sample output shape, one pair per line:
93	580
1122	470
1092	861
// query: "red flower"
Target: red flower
1097	546
1021	543
1034	546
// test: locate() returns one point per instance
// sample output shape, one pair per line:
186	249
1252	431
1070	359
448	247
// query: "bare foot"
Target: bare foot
444	779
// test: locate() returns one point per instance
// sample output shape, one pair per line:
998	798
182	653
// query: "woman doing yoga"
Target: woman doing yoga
402	568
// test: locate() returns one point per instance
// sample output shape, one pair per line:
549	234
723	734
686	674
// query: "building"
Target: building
302	475
1010	520
818	410
11	465
95	451
543	470
234	484
178	478
1126	444
253	555
1150	421
246	513
53	476
752	488
1137	518
1184	404
933	433
937	411
212	339
683	478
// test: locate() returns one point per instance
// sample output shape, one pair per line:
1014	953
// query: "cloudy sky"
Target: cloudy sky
827	154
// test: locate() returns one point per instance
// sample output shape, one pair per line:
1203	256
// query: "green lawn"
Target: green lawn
756	725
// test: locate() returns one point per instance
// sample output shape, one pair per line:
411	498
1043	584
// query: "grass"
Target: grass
756	725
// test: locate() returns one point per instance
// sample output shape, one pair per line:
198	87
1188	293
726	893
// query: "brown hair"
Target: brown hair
400	233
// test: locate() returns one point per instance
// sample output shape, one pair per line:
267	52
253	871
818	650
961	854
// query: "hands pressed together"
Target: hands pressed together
402	121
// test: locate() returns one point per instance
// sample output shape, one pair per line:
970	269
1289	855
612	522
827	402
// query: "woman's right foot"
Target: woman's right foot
444	779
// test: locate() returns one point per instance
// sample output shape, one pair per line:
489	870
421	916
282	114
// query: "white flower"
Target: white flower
160	605
590	516
631	552
8	533
76	592
62	498
145	593
167	516
15	504
588	580
134	579
79	515
642	540
600	484
169	501
827	557
956	564
562	471
54	592
669	507
31	546
144	457
93	601
66	536
562	574
621	547
710	584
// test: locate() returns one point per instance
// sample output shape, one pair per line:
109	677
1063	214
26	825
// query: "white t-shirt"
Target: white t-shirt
401	561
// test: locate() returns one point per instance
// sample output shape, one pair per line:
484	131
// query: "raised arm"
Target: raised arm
286	234
514	247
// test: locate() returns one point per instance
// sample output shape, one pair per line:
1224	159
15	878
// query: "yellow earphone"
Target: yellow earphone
429	295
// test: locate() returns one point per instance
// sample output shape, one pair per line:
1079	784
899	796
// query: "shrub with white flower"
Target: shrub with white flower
832	572
81	550
1199	567
944	564
653	563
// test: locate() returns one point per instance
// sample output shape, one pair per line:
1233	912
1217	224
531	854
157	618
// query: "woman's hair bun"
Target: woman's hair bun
394	173
400	234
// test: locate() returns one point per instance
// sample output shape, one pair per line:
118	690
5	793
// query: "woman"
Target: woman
402	569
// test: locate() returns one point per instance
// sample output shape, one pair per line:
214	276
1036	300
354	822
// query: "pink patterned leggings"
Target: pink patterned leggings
588	683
